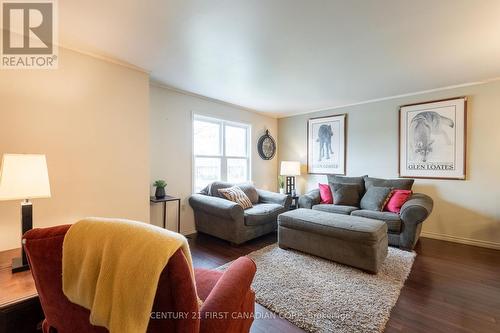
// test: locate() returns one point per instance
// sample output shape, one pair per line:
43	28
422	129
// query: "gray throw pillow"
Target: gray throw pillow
400	184
375	198
346	194
334	179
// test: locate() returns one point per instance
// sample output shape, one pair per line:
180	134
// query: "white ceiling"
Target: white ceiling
289	56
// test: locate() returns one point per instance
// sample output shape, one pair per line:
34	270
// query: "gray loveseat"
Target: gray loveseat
403	229
219	217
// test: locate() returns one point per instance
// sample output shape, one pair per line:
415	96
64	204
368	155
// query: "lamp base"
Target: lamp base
19	266
290	185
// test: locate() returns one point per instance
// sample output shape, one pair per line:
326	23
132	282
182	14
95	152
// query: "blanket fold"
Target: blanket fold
112	268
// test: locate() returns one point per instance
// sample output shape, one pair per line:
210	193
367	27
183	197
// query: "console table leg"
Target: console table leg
179	216
164	215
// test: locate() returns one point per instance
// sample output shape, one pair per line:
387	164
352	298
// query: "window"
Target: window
221	151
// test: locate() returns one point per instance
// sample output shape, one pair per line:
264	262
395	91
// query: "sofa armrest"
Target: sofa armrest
417	208
309	199
216	206
276	198
227	296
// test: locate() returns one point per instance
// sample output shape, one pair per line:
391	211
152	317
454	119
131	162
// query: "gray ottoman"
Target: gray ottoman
350	240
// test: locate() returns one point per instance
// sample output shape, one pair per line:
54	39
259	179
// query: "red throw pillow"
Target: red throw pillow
325	194
398	198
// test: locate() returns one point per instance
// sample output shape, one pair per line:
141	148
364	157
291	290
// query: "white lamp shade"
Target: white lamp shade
290	168
24	176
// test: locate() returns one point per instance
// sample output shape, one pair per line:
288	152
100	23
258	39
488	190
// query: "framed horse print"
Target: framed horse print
432	138
326	138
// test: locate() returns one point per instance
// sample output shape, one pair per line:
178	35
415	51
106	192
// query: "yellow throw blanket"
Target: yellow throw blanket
112	267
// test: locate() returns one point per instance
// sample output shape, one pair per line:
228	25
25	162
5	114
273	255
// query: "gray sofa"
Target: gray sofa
219	217
403	229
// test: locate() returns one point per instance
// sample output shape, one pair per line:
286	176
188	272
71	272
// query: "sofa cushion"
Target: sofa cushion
346	194
262	213
334	179
375	198
337	209
391	219
400	184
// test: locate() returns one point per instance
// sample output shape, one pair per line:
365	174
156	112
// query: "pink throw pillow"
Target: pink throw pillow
325	194
397	200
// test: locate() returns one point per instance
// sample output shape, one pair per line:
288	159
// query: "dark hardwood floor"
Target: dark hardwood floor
451	288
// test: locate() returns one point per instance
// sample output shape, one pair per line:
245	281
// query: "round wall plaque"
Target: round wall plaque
266	146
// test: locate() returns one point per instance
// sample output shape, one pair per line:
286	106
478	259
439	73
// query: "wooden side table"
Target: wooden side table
20	309
295	202
164	200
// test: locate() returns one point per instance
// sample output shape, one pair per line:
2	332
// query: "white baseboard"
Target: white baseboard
461	240
189	232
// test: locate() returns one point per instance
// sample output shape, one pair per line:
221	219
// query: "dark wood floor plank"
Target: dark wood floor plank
451	288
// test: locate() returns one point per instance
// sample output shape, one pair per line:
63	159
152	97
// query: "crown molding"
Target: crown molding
107	59
159	84
282	115
99	56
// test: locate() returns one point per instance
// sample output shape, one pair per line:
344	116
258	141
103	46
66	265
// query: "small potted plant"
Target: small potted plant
160	188
281	184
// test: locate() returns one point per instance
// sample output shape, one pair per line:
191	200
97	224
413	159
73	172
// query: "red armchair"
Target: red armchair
228	301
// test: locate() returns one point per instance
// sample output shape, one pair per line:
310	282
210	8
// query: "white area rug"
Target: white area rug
318	295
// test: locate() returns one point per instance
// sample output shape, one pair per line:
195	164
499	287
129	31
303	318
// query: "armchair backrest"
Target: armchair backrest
175	293
248	188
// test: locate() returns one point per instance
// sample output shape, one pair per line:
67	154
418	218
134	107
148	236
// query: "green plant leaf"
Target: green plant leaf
160	183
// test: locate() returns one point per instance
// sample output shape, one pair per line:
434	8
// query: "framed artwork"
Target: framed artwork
432	139
326	141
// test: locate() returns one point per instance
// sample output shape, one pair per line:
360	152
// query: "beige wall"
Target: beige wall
91	118
465	211
171	146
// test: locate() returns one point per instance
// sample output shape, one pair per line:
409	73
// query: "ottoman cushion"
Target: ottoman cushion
338	209
356	229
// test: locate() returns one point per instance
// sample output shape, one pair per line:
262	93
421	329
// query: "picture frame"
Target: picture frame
326	145
433	138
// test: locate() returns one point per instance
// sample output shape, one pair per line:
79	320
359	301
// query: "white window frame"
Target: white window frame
223	157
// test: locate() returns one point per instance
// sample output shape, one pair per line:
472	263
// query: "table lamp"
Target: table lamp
290	169
24	177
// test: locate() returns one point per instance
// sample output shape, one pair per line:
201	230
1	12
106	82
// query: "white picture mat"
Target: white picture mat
443	154
336	163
